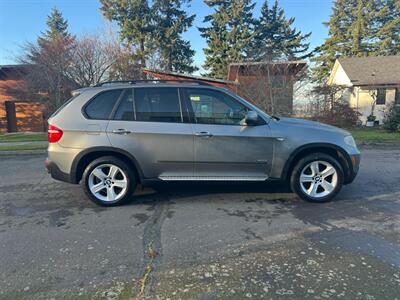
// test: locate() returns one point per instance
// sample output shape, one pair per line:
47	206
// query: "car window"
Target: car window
157	105
214	107
100	106
125	110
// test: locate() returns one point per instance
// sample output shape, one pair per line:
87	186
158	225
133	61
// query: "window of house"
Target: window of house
381	96
397	96
125	110
213	107
100	106
157	105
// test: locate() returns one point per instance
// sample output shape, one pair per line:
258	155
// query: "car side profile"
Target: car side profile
116	135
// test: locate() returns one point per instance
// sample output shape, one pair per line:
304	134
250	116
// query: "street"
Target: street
200	241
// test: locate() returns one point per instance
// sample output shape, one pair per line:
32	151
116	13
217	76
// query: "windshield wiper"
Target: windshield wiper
275	117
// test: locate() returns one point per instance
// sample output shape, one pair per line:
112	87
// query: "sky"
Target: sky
22	21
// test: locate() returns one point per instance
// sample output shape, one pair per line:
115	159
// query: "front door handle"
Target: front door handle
121	131
203	134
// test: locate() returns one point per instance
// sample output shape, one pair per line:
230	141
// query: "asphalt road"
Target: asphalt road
200	242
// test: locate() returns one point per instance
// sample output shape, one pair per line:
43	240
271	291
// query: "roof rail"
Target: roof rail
199	82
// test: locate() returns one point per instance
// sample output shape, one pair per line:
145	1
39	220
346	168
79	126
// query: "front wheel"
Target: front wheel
109	181
317	178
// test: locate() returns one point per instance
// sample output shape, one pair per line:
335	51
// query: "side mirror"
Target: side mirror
251	118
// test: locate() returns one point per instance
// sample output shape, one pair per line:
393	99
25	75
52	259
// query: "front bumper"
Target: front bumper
354	165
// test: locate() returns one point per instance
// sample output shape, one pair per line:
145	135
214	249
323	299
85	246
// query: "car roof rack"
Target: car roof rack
199	82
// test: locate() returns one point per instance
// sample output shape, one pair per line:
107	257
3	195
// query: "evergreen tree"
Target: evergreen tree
388	27
228	35
275	38
171	21
57	28
359	28
51	57
134	18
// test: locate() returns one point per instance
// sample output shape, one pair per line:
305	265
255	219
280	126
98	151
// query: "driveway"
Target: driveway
200	241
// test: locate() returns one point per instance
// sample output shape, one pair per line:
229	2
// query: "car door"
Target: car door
148	123
224	147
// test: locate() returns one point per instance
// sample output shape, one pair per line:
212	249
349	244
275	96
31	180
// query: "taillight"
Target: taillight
54	134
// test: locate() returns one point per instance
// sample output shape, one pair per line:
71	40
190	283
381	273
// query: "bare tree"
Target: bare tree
91	60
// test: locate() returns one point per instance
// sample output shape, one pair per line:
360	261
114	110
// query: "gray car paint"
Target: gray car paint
173	151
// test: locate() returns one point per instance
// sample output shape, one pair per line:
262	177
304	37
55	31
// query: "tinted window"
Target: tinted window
157	105
125	109
100	106
213	107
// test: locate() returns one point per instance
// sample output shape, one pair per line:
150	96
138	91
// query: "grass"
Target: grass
23	147
23	137
368	135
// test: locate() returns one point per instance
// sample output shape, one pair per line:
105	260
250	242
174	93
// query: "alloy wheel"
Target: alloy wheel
108	182
318	179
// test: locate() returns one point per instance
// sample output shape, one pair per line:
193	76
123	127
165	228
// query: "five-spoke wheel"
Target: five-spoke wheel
109	181
317	177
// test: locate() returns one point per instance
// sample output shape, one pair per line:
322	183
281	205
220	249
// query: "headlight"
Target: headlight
349	140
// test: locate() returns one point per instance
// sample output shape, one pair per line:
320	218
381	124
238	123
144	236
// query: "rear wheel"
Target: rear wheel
109	181
317	178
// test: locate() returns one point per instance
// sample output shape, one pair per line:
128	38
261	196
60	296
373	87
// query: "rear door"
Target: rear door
225	148
148	122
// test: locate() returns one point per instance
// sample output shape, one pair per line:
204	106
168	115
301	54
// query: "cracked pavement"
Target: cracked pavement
200	241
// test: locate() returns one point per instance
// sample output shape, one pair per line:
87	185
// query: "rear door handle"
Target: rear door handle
203	134
121	131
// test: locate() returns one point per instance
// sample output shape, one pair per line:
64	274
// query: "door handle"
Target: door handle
121	131
203	134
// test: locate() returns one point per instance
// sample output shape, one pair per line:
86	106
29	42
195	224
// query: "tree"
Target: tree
51	58
388	27
228	35
359	28
91	60
171	21
275	39
135	21
57	27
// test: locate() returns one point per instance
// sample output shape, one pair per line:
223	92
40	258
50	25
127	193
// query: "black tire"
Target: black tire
128	172
295	183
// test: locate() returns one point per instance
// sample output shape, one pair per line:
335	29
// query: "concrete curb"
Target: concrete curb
23	152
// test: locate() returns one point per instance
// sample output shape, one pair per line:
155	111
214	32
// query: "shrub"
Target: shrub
340	114
391	121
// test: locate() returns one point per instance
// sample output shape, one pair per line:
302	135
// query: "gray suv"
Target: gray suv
116	135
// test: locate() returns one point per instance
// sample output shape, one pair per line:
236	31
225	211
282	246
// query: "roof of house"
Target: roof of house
164	74
13	71
372	70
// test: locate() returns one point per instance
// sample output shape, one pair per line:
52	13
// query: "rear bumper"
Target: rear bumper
56	173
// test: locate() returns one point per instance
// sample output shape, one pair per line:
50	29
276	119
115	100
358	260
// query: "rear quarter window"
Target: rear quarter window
101	106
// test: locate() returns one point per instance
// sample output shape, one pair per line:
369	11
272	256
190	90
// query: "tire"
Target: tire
108	181
310	179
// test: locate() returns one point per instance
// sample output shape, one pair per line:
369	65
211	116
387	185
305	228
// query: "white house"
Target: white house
370	83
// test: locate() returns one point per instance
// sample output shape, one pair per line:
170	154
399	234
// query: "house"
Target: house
370	84
18	114
269	85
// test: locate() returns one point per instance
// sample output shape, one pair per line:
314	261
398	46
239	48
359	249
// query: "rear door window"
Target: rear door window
101	106
157	105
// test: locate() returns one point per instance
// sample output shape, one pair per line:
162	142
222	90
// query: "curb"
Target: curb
23	152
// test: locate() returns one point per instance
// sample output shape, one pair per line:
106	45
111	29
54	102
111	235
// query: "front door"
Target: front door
148	123
224	147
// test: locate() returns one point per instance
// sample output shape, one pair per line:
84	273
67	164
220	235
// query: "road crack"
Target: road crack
152	249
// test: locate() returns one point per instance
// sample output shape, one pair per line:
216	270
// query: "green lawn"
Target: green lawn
23	147
23	137
365	135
